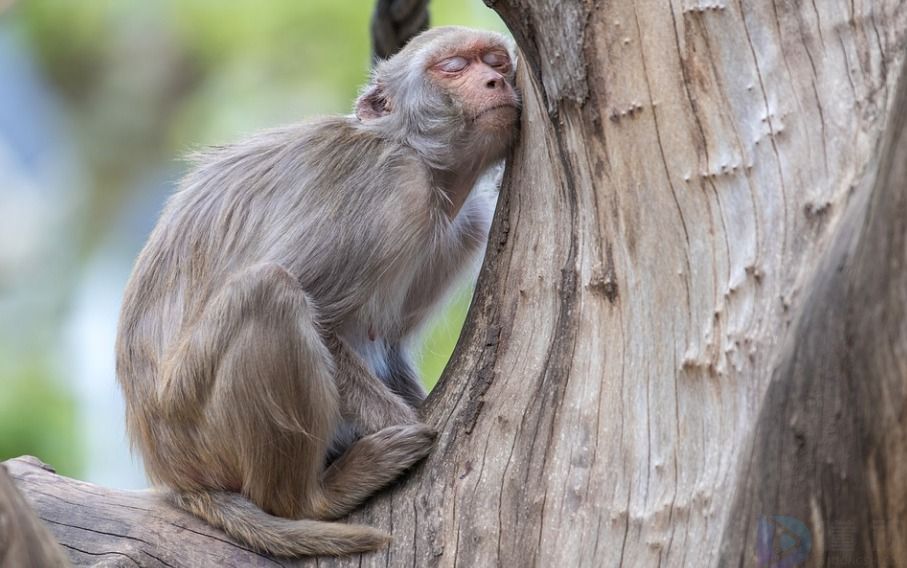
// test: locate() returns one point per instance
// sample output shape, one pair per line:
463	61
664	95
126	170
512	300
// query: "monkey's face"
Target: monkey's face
449	94
479	77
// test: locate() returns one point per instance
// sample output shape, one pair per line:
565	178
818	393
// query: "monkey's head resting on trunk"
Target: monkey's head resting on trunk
264	342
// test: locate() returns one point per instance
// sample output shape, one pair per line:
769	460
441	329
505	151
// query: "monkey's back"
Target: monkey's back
301	197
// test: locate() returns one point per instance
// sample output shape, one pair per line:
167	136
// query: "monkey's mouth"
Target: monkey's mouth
495	108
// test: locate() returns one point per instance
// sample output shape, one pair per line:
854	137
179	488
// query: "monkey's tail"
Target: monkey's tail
277	536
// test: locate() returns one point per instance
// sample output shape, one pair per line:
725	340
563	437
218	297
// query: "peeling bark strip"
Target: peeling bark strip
690	327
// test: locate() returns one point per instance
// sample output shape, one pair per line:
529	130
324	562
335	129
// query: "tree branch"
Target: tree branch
97	525
395	22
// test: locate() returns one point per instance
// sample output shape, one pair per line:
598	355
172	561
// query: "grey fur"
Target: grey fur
268	320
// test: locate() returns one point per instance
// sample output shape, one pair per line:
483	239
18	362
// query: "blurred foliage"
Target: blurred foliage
38	418
442	338
140	84
148	81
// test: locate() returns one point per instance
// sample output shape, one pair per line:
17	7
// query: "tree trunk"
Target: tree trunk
689	332
689	338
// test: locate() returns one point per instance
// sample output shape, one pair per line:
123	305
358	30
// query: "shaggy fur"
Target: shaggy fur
267	325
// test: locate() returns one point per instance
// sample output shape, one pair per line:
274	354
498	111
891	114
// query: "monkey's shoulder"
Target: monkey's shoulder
314	138
326	152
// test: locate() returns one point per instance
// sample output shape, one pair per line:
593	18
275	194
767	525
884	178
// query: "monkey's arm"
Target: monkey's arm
458	254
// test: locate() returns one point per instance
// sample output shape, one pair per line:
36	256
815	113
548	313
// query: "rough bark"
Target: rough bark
691	316
684	172
830	441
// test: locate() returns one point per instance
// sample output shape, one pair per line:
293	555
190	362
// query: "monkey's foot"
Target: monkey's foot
370	464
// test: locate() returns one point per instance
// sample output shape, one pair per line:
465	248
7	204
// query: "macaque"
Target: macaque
264	341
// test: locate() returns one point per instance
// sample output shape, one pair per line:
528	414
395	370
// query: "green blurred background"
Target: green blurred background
98	101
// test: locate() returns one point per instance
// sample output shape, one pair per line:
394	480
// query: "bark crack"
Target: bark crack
693	111
106	553
161	560
96	531
623	545
501	498
768	114
790	75
818	24
853	88
812	65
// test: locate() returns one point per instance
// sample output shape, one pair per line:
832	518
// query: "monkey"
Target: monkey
265	337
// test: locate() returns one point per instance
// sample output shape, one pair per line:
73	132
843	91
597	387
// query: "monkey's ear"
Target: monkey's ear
372	103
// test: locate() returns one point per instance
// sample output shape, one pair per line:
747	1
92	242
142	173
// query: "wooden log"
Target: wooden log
108	527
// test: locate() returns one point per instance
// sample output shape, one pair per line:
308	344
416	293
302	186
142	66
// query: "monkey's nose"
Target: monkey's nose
494	81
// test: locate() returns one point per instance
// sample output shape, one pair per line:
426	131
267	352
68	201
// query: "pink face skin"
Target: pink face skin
479	77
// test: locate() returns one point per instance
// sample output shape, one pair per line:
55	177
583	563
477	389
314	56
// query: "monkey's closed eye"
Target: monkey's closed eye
453	64
496	60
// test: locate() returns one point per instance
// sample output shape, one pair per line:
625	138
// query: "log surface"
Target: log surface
110	527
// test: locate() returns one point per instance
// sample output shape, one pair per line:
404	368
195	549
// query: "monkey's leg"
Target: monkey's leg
395	439
365	401
275	404
264	380
272	406
402	378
